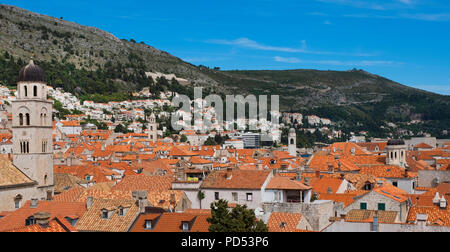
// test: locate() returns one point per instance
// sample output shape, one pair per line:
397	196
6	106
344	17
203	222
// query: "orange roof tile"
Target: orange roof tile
238	179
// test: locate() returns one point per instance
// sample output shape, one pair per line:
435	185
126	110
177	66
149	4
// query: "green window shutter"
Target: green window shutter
381	206
363	206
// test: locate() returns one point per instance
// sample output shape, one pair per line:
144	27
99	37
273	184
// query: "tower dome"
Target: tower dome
31	73
396	142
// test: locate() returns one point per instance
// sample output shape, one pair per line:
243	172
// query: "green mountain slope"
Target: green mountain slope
86	61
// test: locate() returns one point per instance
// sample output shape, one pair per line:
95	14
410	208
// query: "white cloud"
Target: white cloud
251	44
287	60
360	63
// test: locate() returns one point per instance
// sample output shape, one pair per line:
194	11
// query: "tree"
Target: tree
240	219
183	139
210	142
200	196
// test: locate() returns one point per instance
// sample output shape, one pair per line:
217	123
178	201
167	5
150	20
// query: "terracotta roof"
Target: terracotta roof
357	215
92	220
323	184
392	192
238	180
172	222
56	225
64	181
70	195
284	222
17	218
285	183
144	182
423	146
10	174
371	146
70	123
436	215
346	198
385	171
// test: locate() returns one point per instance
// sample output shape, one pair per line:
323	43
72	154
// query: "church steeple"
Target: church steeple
32	129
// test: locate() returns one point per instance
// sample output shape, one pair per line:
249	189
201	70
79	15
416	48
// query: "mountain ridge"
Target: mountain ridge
86	60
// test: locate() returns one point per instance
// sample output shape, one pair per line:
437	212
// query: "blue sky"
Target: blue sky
404	40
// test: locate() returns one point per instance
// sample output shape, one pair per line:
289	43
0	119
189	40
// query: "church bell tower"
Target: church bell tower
32	130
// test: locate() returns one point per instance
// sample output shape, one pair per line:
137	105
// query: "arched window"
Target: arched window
28	118
25	90
292	141
35	91
17	200
21	119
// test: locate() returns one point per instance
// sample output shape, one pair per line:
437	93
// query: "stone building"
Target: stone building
32	130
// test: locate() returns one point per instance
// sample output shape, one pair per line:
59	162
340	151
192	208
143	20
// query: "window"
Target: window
104	214
216	196
185	226
35	91
368	186
27	118
148	224
26	91
381	206
249	196
363	206
395	183
121	212
21	119
234	196
30	221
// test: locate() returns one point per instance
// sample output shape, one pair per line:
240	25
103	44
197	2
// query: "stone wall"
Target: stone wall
427	178
317	213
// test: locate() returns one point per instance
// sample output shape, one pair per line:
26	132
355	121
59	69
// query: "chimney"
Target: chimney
436	199
42	218
141	198
89	202
229	173
421	219
306	181
375	222
33	203
331	167
298	177
443	203
317	174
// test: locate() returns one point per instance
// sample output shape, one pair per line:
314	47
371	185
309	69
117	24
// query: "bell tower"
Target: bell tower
292	138
32	130
396	153
153	128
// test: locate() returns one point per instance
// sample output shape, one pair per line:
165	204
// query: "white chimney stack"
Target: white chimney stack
436	199
443	202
